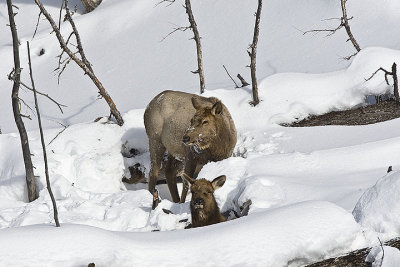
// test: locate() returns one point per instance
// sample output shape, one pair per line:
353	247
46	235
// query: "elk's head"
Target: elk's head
203	193
203	127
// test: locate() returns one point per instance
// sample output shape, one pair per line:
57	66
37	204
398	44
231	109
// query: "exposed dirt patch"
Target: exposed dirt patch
387	110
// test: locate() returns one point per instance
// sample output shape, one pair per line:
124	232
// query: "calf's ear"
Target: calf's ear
218	182
188	178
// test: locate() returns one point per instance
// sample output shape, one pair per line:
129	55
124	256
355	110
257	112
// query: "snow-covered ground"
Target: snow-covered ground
316	192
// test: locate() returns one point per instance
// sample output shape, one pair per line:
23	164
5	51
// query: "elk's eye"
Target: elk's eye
204	122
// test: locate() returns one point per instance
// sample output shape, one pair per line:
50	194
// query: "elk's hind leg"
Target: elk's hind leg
157	151
172	168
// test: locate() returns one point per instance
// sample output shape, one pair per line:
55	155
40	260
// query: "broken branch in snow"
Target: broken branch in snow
392	73
242	80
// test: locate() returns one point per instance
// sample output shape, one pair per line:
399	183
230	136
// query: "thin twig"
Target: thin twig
167	1
45	95
46	167
236	86
37	25
180	28
65	128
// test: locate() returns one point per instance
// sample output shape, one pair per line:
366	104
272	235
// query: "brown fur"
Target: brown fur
203	207
205	125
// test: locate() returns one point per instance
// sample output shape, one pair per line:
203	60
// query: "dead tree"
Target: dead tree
253	55
344	22
392	73
16	77
46	168
90	5
81	61
196	38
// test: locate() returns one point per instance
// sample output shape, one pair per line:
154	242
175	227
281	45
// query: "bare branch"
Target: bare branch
59	133
236	86
181	28
37	25
46	168
170	2
45	95
380	69
83	63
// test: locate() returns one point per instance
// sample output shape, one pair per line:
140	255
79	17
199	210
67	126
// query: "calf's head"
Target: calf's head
203	206
203	129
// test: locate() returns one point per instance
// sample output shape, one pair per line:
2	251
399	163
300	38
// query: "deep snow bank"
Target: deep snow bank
273	238
379	208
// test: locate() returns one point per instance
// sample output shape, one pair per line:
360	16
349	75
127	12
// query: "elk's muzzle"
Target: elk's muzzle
198	203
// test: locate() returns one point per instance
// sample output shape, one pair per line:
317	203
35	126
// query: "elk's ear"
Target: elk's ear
218	182
188	178
196	102
216	108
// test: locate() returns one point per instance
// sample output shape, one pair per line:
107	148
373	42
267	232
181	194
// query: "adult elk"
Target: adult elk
203	207
192	129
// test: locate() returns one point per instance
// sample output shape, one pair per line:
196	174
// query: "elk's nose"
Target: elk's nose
185	139
199	201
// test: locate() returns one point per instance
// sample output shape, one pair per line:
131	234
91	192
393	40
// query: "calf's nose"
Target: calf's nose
185	139
199	201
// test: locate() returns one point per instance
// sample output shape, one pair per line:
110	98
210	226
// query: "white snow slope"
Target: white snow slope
316	192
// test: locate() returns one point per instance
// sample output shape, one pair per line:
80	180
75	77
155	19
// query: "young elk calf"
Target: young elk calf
203	207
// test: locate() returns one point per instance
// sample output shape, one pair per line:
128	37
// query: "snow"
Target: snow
303	183
258	239
384	257
377	207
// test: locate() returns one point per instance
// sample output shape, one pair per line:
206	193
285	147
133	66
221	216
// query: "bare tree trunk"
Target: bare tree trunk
395	82
30	177
347	26
46	168
196	37
253	55
83	62
90	5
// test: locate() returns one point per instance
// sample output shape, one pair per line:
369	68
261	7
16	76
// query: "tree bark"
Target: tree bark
30	177
55	211
253	55
83	64
196	38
